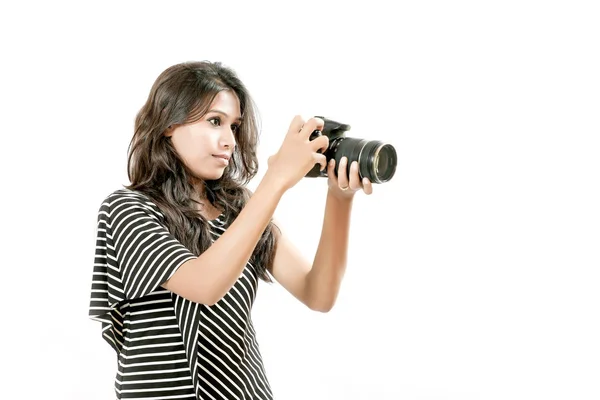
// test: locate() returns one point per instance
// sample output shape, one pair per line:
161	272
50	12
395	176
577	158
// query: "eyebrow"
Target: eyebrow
239	119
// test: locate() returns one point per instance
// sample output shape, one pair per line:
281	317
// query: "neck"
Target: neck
199	189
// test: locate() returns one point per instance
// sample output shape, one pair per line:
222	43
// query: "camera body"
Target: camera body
376	160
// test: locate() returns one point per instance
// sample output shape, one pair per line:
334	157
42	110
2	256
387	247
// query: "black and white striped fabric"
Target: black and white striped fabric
169	347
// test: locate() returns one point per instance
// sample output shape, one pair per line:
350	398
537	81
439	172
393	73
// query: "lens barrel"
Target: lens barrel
376	160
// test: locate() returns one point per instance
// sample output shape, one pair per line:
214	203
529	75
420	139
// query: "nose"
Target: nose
227	139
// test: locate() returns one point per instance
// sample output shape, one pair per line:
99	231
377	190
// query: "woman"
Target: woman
181	249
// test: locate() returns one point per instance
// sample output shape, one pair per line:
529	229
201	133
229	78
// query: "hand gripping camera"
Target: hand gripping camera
376	160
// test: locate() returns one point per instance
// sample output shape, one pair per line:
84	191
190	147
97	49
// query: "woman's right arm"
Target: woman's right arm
207	278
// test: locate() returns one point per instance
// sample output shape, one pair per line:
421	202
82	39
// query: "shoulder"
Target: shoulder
123	202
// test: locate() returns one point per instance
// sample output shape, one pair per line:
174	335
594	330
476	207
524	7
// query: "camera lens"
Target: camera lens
376	160
384	162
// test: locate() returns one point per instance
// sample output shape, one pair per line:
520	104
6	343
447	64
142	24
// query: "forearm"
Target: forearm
329	265
207	278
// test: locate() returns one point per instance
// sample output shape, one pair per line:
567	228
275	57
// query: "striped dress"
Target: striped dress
169	347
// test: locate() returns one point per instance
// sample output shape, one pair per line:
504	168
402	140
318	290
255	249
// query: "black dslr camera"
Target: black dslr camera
376	160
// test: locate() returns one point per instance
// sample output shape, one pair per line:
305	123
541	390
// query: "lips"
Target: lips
222	158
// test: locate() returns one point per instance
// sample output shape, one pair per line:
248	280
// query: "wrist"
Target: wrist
340	196
273	183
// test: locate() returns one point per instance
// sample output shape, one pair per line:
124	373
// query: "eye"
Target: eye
235	127
217	119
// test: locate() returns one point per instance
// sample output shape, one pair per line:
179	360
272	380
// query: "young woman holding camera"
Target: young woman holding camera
181	249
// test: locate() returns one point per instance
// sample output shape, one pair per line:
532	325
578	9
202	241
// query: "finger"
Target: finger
331	169
354	177
296	125
320	159
320	143
342	174
367	186
312	125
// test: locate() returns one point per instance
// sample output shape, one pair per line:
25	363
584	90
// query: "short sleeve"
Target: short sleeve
107	289
135	254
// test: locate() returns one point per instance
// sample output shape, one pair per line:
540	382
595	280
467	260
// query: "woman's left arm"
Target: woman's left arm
317	285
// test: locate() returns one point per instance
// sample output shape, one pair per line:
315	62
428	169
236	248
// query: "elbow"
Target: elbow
320	301
208	301
213	298
208	296
203	299
323	310
322	307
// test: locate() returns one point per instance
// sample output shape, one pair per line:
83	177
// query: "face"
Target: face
207	144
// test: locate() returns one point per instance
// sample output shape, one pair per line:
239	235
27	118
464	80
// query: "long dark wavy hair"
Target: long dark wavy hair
182	94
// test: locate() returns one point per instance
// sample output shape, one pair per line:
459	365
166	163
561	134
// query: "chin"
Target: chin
210	176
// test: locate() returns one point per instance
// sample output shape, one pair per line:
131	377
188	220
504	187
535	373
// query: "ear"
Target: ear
169	131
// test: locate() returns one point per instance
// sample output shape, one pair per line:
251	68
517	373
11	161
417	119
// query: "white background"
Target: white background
473	274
